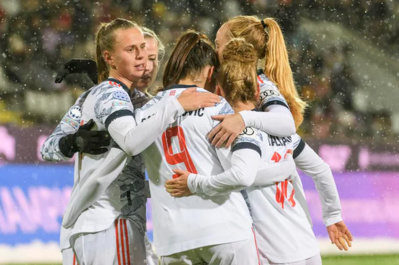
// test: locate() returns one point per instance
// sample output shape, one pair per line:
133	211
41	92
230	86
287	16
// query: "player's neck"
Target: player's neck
191	81
240	106
131	85
144	90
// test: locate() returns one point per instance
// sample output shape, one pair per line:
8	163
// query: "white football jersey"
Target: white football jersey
191	222
125	195
283	231
269	93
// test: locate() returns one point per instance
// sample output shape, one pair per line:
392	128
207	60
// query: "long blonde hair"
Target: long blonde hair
269	43
237	75
105	40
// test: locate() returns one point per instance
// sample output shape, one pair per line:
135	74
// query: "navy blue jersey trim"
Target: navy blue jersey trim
179	86
120	83
274	102
117	114
257	110
246	145
298	150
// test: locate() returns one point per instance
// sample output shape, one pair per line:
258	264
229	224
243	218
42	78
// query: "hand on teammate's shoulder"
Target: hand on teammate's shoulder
191	100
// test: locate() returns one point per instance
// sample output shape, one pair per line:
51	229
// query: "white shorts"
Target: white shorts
68	257
121	244
235	253
152	257
315	260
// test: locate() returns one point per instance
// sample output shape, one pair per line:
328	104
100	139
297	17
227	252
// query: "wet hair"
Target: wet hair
105	40
237	75
266	37
191	54
151	34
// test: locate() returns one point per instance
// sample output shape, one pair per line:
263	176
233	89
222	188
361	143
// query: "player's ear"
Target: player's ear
210	73
109	59
219	91
209	78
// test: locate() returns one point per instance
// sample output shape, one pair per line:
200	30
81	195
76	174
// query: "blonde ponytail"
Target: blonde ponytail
102	67
278	69
269	44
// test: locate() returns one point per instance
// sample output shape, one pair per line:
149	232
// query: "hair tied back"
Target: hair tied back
263	24
239	51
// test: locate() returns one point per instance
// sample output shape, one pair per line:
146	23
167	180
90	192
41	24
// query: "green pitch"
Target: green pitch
362	260
333	260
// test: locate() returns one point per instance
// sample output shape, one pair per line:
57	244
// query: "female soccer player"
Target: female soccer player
156	53
60	144
279	97
278	94
283	231
89	225
197	229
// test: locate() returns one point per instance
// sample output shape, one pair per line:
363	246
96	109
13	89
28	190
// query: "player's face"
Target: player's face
222	37
129	57
151	68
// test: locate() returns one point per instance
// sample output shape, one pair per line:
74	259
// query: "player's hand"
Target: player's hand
177	187
85	141
92	142
340	235
192	100
226	131
78	66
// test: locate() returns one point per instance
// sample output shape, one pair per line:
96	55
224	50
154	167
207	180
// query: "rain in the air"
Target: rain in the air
199	132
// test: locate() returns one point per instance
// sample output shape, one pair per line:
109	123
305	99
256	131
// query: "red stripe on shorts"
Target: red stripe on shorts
256	245
117	241
127	242
123	242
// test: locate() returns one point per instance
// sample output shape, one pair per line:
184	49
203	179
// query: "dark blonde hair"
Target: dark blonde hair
151	34
105	40
269	44
191	54
237	75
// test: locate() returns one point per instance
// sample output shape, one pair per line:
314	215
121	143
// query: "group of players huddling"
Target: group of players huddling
218	143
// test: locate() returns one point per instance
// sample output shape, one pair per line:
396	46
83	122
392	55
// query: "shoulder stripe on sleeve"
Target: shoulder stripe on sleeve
274	102
298	150
246	145
117	114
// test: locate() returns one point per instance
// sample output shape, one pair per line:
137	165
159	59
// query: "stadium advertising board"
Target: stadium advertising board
23	146
33	199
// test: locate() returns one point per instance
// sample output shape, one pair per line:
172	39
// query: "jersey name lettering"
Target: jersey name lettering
279	141
143	119
198	112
